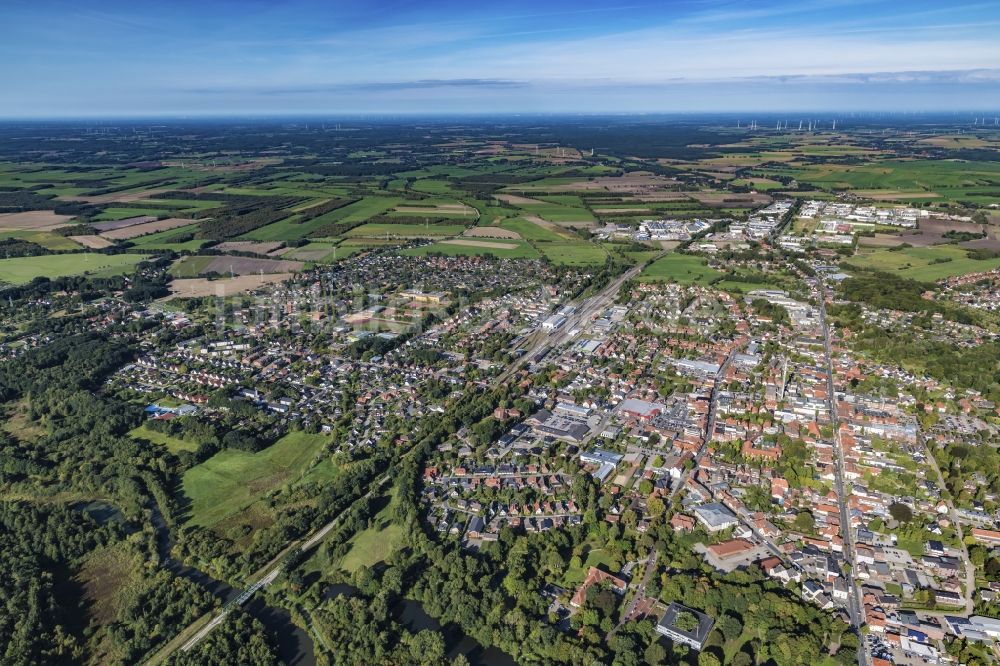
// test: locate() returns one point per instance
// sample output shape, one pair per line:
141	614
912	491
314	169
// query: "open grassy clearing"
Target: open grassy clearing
374	544
596	557
17	423
172	444
22	270
231	480
681	268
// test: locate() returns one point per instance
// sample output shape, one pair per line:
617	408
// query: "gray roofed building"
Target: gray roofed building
693	637
715	516
601	457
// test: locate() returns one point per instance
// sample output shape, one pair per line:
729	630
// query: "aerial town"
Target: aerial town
465	401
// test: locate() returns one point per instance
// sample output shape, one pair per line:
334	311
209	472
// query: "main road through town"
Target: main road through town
854	607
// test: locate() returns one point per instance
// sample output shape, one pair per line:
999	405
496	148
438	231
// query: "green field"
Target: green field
311	252
522	251
22	270
580	253
434	186
596	557
47	239
189	267
167	240
374	544
916	181
173	444
291	229
743	287
231	480
628	252
405	230
109	214
531	231
681	268
567	208
925	264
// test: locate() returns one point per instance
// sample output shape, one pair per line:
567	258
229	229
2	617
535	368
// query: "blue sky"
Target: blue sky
251	57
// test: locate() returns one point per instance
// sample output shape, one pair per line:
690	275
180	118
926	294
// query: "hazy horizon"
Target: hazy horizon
305	57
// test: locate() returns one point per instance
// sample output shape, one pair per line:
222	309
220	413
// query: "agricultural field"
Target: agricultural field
680	268
47	239
136	230
503	250
910	181
578	253
315	252
194	266
293	228
178	239
21	270
113	214
35	220
537	229
557	208
925	264
200	287
405	230
92	241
